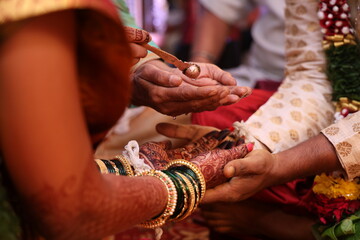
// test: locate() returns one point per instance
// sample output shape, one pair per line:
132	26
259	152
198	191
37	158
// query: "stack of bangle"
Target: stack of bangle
118	166
186	187
184	182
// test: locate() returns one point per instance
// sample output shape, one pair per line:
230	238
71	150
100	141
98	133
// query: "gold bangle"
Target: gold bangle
128	169
185	202
192	167
196	187
172	199
102	167
187	211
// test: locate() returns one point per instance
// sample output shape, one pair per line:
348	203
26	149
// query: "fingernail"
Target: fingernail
175	80
250	146
230	172
248	92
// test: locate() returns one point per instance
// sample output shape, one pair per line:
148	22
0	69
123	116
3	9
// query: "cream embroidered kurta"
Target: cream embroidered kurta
345	136
302	105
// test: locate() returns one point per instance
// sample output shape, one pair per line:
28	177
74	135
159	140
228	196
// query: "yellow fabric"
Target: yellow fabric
345	137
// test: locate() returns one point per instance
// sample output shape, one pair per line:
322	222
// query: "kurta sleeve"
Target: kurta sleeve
345	137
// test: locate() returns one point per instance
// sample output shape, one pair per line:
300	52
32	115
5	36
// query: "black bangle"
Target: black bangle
195	185
180	199
188	171
108	166
120	166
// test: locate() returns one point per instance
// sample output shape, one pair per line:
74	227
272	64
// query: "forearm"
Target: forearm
98	207
210	36
306	159
115	204
45	142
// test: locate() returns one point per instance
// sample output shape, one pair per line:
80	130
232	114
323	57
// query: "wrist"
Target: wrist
203	56
278	173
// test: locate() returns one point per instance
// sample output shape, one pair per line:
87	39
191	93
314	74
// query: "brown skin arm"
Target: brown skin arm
261	169
210	35
46	145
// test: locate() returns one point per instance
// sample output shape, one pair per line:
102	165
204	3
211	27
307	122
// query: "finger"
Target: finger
240	167
208	141
230	99
221	193
190	93
137	35
166	144
207	104
177	130
152	72
220	76
236	93
241	91
138	51
178	108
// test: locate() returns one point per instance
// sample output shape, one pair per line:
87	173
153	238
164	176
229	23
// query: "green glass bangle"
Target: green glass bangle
179	190
120	166
109	166
195	185
189	172
192	203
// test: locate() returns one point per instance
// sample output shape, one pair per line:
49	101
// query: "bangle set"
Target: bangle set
118	166
187	187
184	182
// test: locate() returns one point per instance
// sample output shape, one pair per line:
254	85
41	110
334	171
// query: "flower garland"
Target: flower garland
336	200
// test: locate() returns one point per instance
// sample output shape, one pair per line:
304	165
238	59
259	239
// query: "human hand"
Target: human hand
248	176
170	92
212	163
134	37
158	154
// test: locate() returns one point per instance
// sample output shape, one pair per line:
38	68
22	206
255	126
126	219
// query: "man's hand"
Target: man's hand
170	92
247	175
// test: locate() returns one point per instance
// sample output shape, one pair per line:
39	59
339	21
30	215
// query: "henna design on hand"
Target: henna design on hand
154	154
212	163
135	35
206	143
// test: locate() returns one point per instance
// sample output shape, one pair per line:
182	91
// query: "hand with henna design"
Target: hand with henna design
211	152
157	155
134	36
212	163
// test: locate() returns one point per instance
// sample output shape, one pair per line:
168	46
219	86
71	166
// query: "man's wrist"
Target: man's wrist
203	56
